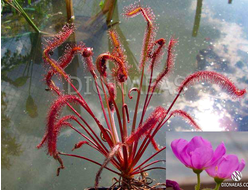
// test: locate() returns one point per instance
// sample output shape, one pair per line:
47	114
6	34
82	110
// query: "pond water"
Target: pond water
212	36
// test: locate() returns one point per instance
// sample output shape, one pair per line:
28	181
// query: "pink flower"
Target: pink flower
197	154
224	167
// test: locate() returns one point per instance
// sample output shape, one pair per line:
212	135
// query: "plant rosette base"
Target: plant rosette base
116	188
101	188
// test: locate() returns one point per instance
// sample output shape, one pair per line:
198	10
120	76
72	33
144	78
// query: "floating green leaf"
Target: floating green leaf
31	107
20	81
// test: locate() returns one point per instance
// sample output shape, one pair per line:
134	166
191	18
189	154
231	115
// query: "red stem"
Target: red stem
133	147
103	110
106	150
150	157
159	126
109	141
124	148
143	112
98	123
90	160
153	168
151	163
145	103
84	136
124	114
118	115
119	120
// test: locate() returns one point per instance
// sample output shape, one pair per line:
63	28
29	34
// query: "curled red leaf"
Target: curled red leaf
62	122
157	55
135	9
131	90
186	117
121	73
53	116
214	78
169	63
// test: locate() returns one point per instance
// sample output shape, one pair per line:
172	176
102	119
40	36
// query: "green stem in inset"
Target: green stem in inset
218	181
217	187
197	187
198	172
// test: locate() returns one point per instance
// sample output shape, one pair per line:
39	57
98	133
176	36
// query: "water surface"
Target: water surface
212	38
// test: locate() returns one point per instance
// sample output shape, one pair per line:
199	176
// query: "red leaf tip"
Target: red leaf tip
61	37
186	117
52	119
169	62
135	9
120	72
214	78
155	117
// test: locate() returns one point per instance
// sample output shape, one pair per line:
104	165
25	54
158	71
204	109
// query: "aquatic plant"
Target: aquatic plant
14	4
108	7
69	10
121	147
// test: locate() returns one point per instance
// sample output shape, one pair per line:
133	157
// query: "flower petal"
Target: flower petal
241	165
185	157
200	157
212	170
177	147
198	142
219	152
227	165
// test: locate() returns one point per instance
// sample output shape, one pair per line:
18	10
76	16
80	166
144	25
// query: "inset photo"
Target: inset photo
206	160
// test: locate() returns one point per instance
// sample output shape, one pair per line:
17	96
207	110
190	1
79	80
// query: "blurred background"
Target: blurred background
235	143
212	35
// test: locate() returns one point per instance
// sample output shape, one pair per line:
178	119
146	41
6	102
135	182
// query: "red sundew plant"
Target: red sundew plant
119	146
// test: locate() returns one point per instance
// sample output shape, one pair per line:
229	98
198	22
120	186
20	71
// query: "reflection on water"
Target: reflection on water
9	145
197	18
221	46
11	61
133	62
